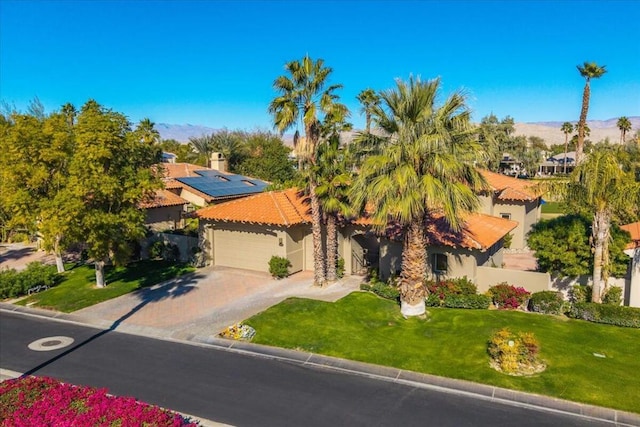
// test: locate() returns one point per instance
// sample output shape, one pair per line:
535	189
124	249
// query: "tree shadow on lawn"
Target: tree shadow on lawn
175	288
147	272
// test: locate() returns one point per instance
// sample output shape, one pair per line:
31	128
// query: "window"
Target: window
505	215
439	263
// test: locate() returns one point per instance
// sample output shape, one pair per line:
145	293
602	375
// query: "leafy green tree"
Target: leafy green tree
303	94
562	246
624	124
111	173
183	152
599	186
495	137
424	167
267	158
69	112
589	70
369	100
567	129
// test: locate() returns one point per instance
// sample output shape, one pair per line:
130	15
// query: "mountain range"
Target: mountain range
549	131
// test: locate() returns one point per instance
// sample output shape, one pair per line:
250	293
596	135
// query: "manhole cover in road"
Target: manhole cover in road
50	343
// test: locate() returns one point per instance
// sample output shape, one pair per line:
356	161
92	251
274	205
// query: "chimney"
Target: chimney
218	162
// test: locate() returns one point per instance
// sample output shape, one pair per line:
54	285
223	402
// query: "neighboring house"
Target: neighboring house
555	164
513	199
165	211
633	250
203	186
246	233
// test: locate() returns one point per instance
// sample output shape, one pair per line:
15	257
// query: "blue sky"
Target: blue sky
213	63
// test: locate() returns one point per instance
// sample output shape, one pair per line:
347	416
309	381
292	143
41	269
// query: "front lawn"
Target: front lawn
78	287
453	343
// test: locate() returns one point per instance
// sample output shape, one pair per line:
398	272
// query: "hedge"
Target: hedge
547	302
467	301
15	284
605	313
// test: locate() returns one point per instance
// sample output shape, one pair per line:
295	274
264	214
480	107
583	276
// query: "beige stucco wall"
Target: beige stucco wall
164	218
192	198
530	280
525	213
634	280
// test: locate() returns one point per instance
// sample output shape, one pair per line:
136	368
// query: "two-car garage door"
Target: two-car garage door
244	249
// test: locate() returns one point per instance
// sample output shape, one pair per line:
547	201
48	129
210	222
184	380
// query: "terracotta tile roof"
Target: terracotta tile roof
289	208
284	208
180	170
509	188
634	230
163	198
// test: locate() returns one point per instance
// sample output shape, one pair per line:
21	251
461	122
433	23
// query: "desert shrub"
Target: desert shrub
467	301
508	296
386	290
14	284
514	353
613	296
580	293
606	313
459	286
340	268
279	267
547	302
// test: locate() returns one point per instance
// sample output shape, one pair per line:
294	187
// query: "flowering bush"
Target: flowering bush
239	331
515	354
444	288
42	401
507	296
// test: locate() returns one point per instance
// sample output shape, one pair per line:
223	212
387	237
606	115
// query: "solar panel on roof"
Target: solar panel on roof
210	183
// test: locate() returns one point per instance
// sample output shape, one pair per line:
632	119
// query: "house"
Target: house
556	164
164	211
246	233
512	199
203	186
633	250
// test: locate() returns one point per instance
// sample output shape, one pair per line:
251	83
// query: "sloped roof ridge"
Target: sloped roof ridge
295	192
272	195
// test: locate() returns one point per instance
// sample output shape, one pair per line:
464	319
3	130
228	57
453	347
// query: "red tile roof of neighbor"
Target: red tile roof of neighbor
509	188
634	230
180	170
288	207
163	198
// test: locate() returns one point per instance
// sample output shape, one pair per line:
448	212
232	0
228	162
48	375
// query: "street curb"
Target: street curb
394	375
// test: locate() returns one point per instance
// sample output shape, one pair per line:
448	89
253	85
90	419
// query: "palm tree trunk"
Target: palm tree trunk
583	121
58	254
100	274
414	262
332	248
566	148
601	229
316	231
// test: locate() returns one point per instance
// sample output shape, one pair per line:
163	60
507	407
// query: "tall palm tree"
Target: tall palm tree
69	111
369	100
624	124
423	167
589	70
601	187
147	132
304	94
566	128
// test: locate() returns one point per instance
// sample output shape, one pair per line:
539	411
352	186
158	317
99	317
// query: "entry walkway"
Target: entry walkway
205	303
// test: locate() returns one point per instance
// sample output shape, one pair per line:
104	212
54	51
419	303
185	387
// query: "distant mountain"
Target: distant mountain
549	131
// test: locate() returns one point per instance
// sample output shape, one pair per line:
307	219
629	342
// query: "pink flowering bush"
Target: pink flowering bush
508	296
42	401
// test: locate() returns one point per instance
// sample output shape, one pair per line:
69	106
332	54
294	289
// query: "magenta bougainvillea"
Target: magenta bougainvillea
42	401
506	296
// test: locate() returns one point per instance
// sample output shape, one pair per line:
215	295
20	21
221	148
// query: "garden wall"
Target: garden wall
530	280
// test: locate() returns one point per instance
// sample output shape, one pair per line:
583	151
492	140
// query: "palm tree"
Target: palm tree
423	167
69	111
566	128
303	94
369	100
625	126
589	70
147	132
203	146
601	187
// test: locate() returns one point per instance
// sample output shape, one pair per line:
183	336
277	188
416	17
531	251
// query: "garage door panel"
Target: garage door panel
242	249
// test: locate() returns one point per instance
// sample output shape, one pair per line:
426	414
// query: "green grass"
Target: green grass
552	208
78	287
453	343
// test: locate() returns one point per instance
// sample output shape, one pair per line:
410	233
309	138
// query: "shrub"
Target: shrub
580	293
613	296
467	301
156	249
171	252
547	302
279	267
606	313
15	284
340	268
459	286
507	296
514	353
382	289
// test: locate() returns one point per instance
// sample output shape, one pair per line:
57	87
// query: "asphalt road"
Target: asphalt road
244	390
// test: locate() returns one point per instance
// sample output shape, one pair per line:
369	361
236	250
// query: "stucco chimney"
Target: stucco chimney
218	162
